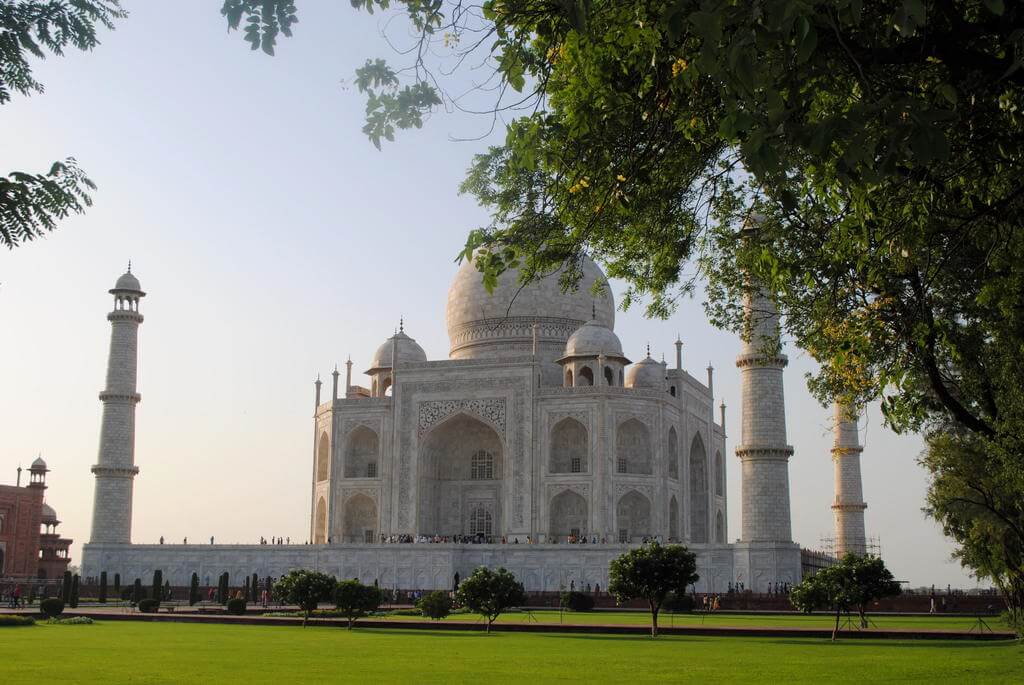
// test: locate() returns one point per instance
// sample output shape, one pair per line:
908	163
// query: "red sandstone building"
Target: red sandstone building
30	547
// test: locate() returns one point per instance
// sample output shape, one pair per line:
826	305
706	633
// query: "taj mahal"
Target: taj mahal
536	445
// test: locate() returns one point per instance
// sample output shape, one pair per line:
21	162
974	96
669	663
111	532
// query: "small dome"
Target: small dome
38	465
593	339
646	373
49	515
128	282
408	351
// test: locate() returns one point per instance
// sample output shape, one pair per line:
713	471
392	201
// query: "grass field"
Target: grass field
735	620
171	652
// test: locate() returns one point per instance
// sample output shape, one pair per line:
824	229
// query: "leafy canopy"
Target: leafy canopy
652	573
305	589
489	593
355	600
851	584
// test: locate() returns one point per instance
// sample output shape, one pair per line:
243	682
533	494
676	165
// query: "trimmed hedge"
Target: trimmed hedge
577	601
236	606
52	606
13	621
149	605
678	603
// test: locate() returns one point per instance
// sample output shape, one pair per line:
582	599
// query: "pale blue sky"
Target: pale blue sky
274	240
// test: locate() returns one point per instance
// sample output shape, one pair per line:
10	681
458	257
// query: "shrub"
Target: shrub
13	621
435	605
103	587
577	601
407	612
236	606
679	603
53	606
355	600
193	590
489	593
149	605
73	621
75	581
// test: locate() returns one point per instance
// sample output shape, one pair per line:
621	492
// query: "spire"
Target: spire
129	266
679	353
401	324
648	350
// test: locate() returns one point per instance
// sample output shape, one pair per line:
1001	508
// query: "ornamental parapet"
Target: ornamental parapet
777	361
124	315
755	453
611	390
124	396
115	471
859	506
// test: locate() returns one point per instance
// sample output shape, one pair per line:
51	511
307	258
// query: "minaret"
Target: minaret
848	508
115	468
763	449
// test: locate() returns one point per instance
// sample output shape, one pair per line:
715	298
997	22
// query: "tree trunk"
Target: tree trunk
654	619
836	629
489	622
863	618
305	617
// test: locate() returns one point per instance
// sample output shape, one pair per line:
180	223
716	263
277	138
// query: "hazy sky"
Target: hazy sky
274	240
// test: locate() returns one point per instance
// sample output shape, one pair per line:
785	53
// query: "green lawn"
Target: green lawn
174	652
734	620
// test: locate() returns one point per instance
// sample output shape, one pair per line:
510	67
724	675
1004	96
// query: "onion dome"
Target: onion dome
501	323
594	339
646	373
408	350
127	283
38	465
49	515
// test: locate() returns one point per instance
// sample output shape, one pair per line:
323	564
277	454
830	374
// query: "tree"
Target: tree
103	587
255	586
193	590
65	587
73	601
435	605
305	589
853	583
158	585
32	204
489	593
137	593
355	600
652	572
974	493
882	150
223	587
117	582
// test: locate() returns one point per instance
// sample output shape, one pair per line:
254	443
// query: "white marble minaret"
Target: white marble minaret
848	508
115	468
763	450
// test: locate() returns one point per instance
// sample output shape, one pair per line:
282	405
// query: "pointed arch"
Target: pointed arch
673	519
633	517
698	491
460	460
633	448
672	455
719	475
609	376
360	519
568	378
323	457
320	522
361	449
569	447
719	527
585	376
567	515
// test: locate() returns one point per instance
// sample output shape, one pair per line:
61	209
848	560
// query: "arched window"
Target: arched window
586	376
719	527
719	474
481	522
633	517
567	515
672	391
673	519
609	375
568	378
569	444
673	454
360	519
320	522
633	448
482	466
323	458
698	491
361	447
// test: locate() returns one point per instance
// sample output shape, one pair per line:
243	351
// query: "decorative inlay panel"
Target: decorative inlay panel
433	412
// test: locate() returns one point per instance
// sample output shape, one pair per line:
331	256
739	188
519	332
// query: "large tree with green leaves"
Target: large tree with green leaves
851	584
355	600
652	573
489	593
880	145
31	204
305	589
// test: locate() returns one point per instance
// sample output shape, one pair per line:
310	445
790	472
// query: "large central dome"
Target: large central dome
500	324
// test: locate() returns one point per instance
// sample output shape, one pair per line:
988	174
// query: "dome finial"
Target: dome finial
401	324
129	266
593	309
648	350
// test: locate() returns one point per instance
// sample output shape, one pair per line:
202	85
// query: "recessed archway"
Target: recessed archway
569	443
323	457
361	449
360	519
698	491
719	527
719	475
567	515
672	456
320	522
585	376
633	448
673	519
633	517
